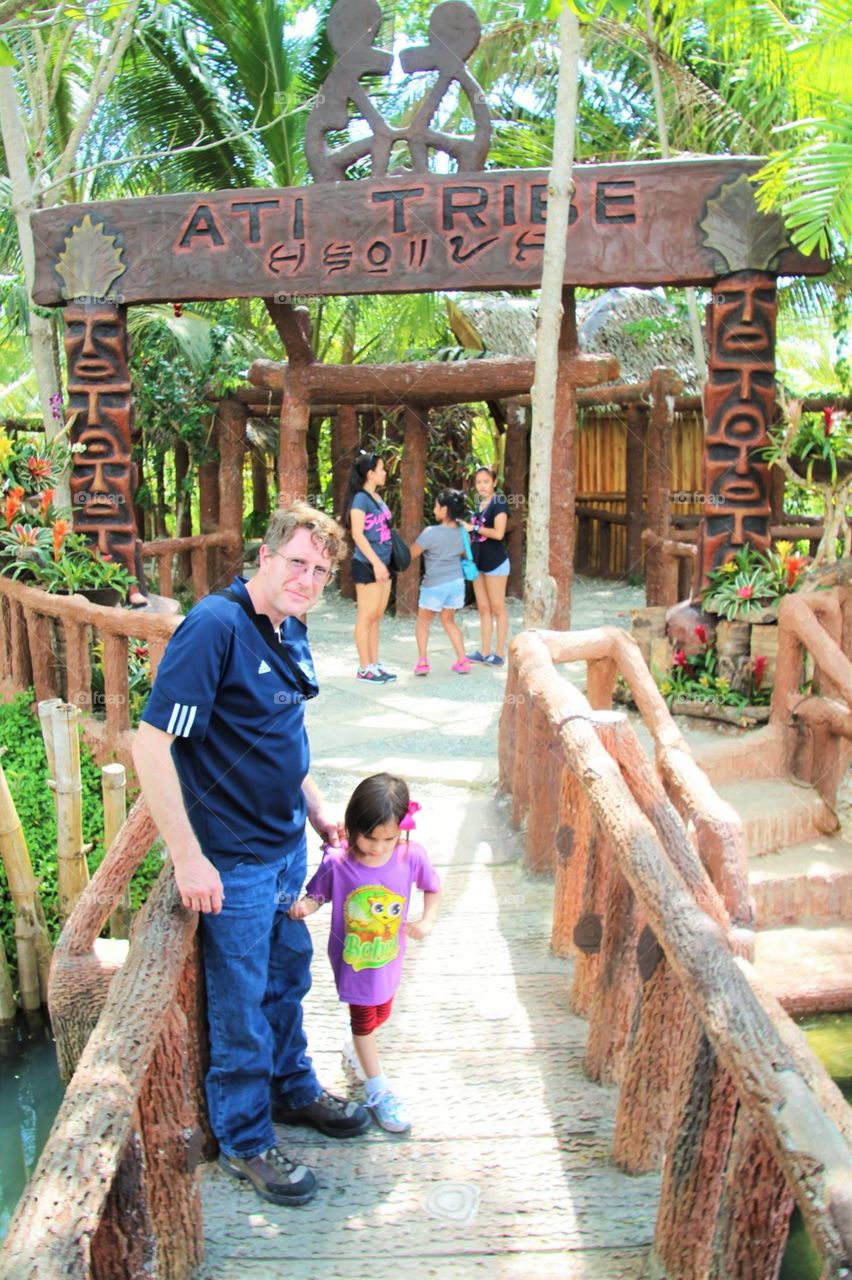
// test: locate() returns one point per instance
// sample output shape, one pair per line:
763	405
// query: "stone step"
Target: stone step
777	813
809	969
809	883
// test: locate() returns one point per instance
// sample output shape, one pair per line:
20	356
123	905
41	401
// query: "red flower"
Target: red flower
701	632
745	593
39	468
794	566
828	419
45	501
758	670
679	658
60	529
140	651
12	504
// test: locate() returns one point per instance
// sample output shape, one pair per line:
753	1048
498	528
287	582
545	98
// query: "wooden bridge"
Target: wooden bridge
585	1015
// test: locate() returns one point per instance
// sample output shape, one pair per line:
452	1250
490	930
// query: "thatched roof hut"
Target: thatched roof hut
638	326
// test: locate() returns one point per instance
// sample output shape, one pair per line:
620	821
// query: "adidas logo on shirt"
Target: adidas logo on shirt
263	668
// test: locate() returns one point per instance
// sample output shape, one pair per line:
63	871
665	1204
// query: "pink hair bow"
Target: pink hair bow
407	822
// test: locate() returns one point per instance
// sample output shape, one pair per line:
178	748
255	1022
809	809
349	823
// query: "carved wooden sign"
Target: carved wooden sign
630	224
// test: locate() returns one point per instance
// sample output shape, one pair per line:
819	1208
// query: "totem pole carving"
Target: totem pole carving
353	25
739	396
99	392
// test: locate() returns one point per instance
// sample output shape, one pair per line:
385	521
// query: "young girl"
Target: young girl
488	538
368	882
442	588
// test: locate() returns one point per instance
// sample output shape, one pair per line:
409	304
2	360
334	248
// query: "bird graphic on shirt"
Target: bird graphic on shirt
373	912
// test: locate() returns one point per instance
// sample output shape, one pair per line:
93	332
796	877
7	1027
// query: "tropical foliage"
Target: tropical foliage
751	582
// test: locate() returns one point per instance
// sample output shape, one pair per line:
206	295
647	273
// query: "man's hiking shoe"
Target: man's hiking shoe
273	1176
333	1116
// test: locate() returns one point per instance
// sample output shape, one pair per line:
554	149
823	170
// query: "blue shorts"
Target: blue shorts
445	595
502	570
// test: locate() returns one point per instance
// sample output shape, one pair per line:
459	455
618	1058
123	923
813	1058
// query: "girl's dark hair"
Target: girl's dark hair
361	467
379	799
454	501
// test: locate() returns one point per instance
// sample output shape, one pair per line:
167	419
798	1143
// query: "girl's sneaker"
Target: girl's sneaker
476	656
494	660
350	1059
422	668
383	671
390	1112
373	675
462	667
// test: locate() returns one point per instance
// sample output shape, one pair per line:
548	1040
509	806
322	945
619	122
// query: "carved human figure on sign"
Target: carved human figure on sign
353	26
454	32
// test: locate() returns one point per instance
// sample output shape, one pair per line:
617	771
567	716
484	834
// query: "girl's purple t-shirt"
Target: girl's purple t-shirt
369	908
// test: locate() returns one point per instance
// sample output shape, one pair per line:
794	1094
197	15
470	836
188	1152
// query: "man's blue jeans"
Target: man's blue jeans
257	965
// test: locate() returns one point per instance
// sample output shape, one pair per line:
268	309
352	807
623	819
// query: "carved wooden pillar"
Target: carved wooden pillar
208	513
563	476
231	423
344	447
516	473
634	490
413	475
312	444
99	400
739	404
293	452
259	484
664	387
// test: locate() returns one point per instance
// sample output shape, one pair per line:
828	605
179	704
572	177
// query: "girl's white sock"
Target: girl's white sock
375	1085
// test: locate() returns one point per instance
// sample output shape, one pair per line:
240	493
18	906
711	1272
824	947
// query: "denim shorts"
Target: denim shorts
445	595
502	570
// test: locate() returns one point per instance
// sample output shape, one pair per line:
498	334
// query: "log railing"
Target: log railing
202	549
45	641
715	1081
116	1192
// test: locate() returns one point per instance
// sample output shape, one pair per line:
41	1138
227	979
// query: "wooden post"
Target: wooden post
231	423
292	449
694	1166
637	428
25	947
22	671
78	661
543	763
114	792
23	889
754	1209
116	686
515	476
183	528
563	476
40	633
344	447
572	848
208	508
413	474
259	484
72	868
664	387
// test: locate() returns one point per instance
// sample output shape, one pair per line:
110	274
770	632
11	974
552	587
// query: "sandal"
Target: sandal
422	668
462	666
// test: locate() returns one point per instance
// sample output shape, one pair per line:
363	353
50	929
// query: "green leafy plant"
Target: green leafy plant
695	677
139	679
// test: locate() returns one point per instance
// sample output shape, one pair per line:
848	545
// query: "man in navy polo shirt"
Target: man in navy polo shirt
222	757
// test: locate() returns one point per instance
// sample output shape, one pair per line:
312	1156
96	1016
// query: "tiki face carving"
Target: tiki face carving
100	481
744	309
95	347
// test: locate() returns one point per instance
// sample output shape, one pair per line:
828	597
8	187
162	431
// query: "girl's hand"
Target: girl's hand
304	907
466	525
419	929
381	571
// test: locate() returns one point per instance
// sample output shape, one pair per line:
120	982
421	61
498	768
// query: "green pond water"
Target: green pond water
31	1091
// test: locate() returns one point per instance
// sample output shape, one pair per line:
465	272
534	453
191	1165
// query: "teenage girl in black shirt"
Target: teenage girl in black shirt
488	544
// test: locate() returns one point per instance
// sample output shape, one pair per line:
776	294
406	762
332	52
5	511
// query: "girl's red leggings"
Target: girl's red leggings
365	1018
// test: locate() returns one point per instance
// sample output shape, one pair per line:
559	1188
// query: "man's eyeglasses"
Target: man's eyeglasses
298	568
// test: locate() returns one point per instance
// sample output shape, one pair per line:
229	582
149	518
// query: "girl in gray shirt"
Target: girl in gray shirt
442	587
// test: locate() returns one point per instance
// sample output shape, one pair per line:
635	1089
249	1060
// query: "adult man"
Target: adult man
222	758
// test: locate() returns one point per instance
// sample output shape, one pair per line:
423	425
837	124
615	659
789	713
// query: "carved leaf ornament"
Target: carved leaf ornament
743	237
90	262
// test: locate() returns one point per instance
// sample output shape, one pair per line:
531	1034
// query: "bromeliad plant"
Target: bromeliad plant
742	587
694	678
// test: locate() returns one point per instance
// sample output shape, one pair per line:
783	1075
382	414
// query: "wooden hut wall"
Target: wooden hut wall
601	479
